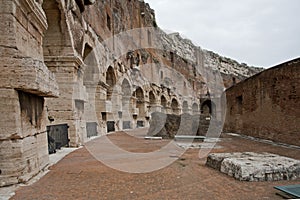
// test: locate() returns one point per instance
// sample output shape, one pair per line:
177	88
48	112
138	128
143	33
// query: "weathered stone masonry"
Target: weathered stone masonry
57	71
49	49
267	105
107	92
25	81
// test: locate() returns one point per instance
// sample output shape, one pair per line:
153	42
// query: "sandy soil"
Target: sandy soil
80	176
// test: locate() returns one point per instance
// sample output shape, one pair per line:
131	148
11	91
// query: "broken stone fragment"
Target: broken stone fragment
251	166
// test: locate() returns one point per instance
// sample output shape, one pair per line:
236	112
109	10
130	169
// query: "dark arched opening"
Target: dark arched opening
175	107
110	81
195	109
208	108
152	98
140	105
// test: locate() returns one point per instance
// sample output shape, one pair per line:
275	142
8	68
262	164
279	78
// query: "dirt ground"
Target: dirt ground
80	176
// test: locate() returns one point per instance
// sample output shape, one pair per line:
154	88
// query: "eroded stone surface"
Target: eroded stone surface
60	49
251	166
266	106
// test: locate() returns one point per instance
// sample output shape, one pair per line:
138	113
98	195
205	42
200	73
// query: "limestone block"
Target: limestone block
42	150
16	160
7	30
64	77
29	160
10	114
106	106
21	16
9	172
62	116
251	166
22	56
29	41
215	160
28	75
8	7
22	159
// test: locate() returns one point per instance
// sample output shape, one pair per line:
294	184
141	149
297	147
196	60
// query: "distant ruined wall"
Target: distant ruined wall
267	105
231	71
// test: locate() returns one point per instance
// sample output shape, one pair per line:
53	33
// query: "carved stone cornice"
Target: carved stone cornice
65	61
35	13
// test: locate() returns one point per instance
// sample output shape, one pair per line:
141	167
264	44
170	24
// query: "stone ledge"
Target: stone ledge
251	166
28	75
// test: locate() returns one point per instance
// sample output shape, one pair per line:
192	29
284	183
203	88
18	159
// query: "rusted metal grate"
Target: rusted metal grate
57	137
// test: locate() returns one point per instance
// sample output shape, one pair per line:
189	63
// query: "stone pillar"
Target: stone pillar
155	108
103	108
23	137
69	107
168	110
126	112
116	114
25	81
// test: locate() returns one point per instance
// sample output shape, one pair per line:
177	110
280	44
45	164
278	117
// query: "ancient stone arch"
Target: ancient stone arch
163	103
90	81
110	81
175	106
208	108
55	39
185	107
126	87
139	94
140	106
91	70
195	109
61	58
152	98
153	104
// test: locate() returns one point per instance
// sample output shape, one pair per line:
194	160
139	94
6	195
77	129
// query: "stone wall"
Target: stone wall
66	49
267	105
113	79
231	70
92	67
24	82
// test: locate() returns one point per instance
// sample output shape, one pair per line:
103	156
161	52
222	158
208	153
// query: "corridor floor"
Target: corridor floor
80	176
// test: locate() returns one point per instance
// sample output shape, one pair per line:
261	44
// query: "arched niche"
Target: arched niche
110	81
175	107
208	108
185	107
195	109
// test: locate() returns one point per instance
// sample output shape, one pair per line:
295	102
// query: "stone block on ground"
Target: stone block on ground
251	166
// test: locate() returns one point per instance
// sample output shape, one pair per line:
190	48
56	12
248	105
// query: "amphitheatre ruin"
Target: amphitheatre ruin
76	71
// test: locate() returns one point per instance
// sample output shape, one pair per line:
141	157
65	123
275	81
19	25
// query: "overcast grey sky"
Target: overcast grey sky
258	32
